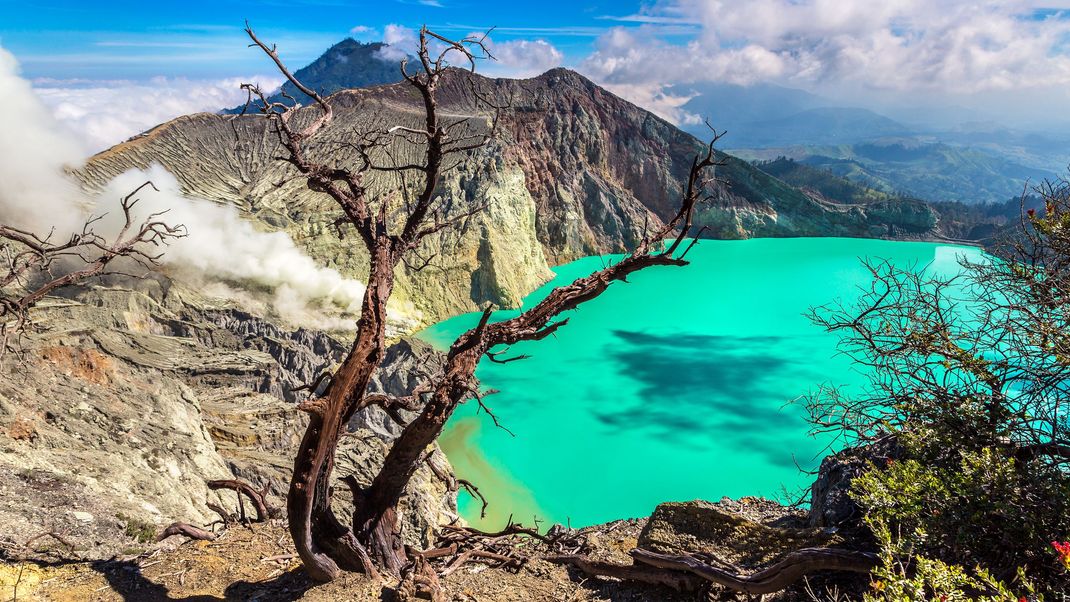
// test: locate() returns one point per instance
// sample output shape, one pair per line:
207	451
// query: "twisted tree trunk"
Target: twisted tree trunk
375	518
322	542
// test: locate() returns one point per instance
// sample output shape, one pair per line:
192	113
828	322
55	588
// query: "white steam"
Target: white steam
34	192
222	246
223	252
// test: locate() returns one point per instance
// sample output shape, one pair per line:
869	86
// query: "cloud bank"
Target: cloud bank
104	113
935	49
948	45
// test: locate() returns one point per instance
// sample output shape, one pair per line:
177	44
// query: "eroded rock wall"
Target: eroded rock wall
124	401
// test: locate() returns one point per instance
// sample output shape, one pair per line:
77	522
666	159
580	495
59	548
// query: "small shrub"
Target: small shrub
139	530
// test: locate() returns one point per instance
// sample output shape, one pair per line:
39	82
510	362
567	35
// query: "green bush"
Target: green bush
988	512
139	530
926	579
970	376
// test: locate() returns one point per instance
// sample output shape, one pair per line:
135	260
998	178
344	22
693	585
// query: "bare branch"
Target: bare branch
30	260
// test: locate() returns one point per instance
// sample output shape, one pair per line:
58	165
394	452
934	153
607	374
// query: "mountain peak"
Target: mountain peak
565	75
350	43
347	64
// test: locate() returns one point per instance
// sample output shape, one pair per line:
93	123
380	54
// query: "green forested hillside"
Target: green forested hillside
907	166
982	222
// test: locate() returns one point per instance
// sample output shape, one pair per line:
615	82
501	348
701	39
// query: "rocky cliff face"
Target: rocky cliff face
573	171
128	397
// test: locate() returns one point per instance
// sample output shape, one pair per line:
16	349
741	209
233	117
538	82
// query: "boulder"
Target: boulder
831	505
749	532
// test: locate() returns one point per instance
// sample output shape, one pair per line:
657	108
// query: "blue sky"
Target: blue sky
112	69
197	39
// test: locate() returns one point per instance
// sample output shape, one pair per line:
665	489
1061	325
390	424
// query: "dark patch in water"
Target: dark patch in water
701	390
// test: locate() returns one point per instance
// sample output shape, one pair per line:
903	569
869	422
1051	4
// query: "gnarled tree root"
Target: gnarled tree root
185	529
677	580
242	488
420	582
686	573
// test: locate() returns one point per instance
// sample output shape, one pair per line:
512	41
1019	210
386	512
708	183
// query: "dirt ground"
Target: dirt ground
257	565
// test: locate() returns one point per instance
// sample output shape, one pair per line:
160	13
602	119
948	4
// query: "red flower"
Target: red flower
1031	212
1063	550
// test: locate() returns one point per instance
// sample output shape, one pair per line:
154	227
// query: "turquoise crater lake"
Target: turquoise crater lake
675	386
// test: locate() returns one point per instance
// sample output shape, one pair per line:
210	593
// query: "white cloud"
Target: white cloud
522	58
899	46
401	42
636	57
104	113
638	66
655	98
363	33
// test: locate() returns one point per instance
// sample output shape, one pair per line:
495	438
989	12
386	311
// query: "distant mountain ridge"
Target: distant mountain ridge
823	125
981	223
732	107
932	171
348	64
767	115
970	161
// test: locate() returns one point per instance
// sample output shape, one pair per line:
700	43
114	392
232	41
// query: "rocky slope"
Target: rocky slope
573	171
128	397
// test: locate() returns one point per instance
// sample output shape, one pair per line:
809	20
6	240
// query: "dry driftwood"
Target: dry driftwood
241	488
186	530
686	573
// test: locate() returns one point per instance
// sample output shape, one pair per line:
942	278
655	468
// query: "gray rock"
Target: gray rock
831	505
126	401
748	532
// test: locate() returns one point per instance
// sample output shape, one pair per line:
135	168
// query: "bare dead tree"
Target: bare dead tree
392	228
984	352
34	266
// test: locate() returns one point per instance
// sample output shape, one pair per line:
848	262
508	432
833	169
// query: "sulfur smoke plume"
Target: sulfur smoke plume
33	151
223	252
